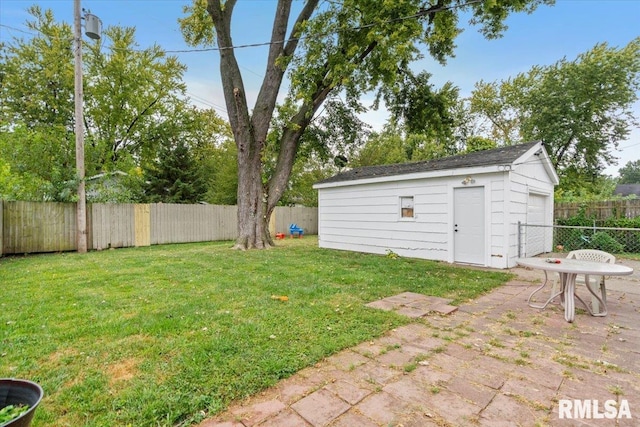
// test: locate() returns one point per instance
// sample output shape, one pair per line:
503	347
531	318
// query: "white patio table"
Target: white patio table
569	269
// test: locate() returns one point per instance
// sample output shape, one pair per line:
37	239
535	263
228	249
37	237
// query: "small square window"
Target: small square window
406	207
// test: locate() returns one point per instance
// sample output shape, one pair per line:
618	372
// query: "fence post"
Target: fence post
272	221
142	225
519	239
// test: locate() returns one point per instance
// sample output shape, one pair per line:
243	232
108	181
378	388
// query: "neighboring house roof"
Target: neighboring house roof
627	190
106	182
106	175
498	156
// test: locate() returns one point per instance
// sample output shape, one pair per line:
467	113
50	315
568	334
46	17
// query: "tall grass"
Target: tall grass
165	335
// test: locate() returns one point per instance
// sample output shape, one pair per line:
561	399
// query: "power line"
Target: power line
423	12
16	29
207	102
628	146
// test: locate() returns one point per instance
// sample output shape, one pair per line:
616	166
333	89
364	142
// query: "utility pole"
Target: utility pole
81	222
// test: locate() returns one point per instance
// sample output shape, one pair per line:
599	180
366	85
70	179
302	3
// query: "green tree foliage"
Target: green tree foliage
36	118
329	144
478	143
420	110
174	177
38	75
184	167
382	148
129	95
336	135
630	173
581	109
348	47
37	164
135	104
426	123
215	154
390	146
303	176
222	163
575	189
490	104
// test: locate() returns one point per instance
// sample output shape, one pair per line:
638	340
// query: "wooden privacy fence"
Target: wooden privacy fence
599	210
31	227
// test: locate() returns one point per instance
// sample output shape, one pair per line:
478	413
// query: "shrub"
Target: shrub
604	242
572	239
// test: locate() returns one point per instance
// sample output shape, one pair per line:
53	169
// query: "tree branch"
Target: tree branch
232	83
274	74
298	124
562	151
116	146
304	15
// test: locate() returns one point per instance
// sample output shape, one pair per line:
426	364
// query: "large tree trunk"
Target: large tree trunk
253	230
250	130
349	46
257	201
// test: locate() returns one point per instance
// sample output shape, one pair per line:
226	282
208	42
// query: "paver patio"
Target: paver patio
493	362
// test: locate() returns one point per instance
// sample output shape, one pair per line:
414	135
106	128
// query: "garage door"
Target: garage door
538	239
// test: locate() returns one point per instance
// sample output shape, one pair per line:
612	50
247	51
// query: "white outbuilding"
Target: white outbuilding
460	209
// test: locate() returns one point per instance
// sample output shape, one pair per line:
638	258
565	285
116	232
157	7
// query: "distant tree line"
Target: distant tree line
145	142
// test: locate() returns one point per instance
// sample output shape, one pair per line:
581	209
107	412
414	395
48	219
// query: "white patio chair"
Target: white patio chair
598	302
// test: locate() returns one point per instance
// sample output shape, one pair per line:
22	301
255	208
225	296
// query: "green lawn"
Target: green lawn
163	335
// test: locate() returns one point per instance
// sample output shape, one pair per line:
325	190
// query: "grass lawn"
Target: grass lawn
165	335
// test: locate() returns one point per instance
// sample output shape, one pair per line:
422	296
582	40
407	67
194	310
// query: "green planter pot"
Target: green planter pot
20	392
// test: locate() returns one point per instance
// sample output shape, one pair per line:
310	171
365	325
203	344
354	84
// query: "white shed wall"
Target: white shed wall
530	177
498	204
366	217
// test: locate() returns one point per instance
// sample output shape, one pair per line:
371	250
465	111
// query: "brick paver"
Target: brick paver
494	361
320	407
352	419
258	412
349	392
382	408
286	418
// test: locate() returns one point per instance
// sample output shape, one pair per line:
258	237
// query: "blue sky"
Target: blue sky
542	38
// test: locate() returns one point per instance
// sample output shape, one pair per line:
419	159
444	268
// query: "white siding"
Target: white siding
528	178
365	216
497	216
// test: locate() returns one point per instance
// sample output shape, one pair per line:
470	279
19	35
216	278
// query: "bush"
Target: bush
571	239
615	240
604	242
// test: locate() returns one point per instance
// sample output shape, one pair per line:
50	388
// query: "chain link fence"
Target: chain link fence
536	239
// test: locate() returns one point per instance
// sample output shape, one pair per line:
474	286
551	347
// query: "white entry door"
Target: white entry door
469	225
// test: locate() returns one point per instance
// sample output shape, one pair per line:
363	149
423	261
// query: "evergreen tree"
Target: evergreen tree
175	176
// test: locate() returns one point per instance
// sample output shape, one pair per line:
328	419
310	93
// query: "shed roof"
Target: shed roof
498	156
627	189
